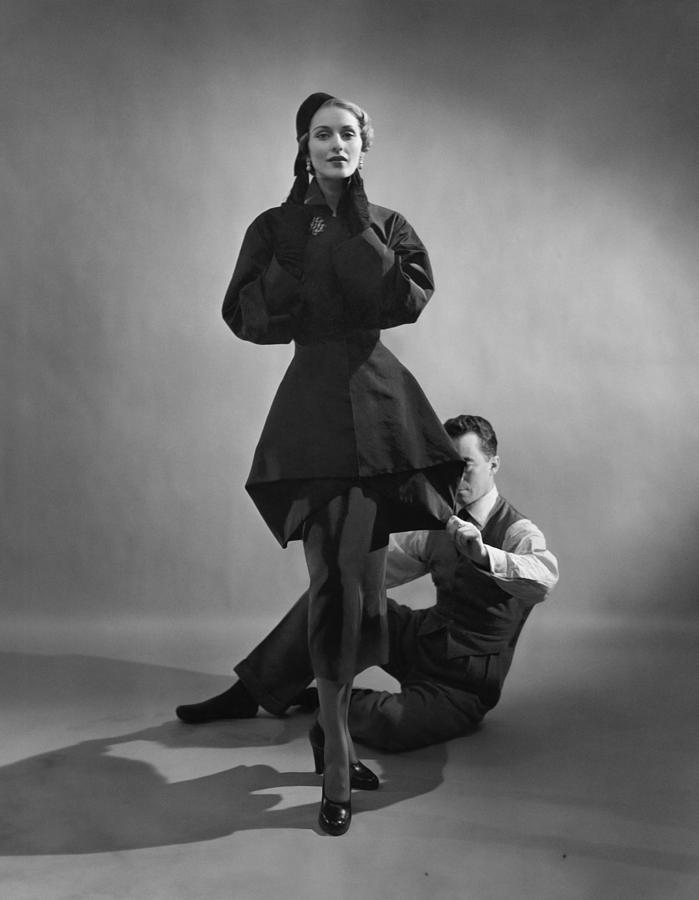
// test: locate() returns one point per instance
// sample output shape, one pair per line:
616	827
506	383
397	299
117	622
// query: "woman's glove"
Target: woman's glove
357	205
290	230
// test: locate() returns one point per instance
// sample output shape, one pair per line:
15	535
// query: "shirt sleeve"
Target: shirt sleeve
524	567
260	291
406	558
385	273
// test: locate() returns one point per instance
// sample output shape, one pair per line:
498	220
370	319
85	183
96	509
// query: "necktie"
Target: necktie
467	517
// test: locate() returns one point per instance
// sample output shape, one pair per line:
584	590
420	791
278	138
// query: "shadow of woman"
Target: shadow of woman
87	798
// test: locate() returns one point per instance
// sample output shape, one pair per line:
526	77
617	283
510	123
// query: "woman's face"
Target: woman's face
334	143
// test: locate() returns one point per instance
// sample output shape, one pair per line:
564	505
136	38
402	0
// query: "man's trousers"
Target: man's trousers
441	695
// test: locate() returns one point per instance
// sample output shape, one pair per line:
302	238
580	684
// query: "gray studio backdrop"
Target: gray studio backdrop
545	152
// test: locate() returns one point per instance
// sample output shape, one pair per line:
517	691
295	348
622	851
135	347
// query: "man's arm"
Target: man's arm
524	566
405	560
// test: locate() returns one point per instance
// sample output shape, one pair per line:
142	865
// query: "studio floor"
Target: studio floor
583	783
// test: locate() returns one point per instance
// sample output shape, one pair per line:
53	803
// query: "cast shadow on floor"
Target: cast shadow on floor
89	798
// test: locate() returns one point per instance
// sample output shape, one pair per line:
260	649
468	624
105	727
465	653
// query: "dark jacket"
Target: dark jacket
346	408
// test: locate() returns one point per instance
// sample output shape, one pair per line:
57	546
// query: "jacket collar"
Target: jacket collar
314	195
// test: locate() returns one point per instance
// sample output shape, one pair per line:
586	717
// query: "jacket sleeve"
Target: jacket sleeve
261	297
385	274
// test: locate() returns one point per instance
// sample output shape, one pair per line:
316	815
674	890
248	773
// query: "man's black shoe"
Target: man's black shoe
235	703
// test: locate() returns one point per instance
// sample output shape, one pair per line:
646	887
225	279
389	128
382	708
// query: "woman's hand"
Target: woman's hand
358	205
289	237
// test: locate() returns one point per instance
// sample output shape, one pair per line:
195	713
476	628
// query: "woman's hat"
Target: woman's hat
307	110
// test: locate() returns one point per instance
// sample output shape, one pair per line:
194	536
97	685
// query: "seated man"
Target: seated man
489	567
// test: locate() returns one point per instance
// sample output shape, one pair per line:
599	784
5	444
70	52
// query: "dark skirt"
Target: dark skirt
348	412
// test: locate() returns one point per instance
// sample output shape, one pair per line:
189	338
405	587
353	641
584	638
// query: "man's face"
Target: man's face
479	471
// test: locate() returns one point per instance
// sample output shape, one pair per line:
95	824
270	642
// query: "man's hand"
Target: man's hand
468	541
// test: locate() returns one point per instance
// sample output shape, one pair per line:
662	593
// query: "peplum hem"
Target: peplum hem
414	500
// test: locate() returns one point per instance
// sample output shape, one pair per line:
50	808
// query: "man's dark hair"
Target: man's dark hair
461	425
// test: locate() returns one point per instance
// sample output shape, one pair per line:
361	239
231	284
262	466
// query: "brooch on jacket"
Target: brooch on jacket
317	225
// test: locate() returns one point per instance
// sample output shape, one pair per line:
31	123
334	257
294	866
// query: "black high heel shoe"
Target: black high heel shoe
333	817
361	776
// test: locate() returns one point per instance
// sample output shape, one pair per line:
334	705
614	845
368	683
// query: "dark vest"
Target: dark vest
480	616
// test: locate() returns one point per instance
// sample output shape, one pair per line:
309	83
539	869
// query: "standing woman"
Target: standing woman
351	449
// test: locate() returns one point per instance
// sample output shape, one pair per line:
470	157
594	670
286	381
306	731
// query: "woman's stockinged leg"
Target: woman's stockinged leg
343	569
334	704
373	640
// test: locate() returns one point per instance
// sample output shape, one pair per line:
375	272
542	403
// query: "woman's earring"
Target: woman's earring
309	167
360	164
